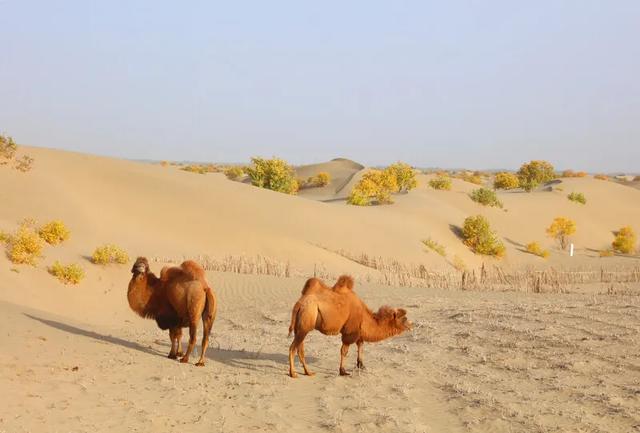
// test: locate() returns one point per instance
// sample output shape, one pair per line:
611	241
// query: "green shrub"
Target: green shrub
67	274
109	253
8	149
234	172
534	173
54	232
625	241
435	246
274	174
577	197
441	183
506	181
25	246
404	175
478	236
375	187
561	229
534	248
485	197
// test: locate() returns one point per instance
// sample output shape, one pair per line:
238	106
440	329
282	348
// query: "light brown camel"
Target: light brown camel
175	300
338	310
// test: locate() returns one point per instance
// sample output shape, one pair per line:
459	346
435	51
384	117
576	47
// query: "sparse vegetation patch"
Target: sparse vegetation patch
577	197
234	172
109	253
67	274
625	241
485	197
441	183
534	248
435	246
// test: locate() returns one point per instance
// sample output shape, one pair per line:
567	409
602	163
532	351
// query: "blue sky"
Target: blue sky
480	84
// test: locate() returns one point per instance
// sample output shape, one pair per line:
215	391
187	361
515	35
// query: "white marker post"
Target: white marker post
571	250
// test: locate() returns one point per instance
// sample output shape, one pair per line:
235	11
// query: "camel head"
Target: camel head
395	319
140	267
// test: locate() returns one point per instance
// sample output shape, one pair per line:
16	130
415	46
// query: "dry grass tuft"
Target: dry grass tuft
54	232
109	253
67	274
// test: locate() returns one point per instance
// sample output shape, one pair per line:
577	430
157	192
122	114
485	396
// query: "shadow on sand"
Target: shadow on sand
244	359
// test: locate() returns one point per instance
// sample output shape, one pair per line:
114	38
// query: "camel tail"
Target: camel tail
294	317
210	306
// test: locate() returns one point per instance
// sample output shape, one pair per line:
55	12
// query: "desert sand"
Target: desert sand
77	359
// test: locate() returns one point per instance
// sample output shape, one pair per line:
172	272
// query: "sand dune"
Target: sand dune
342	172
80	360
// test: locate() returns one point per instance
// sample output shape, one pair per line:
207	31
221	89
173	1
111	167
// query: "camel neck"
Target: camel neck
141	289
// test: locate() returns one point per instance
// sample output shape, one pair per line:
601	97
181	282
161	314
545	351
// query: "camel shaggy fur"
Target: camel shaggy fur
338	310
176	300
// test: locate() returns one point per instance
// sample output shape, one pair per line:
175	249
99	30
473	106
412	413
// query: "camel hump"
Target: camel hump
311	285
167	273
345	281
193	269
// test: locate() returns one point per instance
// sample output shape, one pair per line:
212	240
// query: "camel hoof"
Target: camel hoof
343	372
309	373
293	375
179	354
184	360
360	365
172	356
200	364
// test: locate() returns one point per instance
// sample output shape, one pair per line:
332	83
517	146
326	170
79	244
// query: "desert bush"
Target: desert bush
200	168
601	177
485	197
471	178
404	175
274	174
534	248
25	246
441	182
109	253
577	197
67	274
571	173
24	164
375	186
234	172
319	180
435	246
636	179
164	163
8	148
54	232
4	237
625	241
506	181
561	229
534	173
478	236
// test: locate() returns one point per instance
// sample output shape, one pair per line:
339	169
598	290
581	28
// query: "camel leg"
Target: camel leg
344	350
179	341
359	363
303	361
193	331
207	324
172	337
297	341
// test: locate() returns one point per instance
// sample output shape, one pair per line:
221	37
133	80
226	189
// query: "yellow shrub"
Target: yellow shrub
200	168
506	181
478	236
4	237
323	178
234	173
404	175
441	182
375	186
601	177
534	173
8	149
25	246
625	241
560	229
274	174
54	232
319	180
534	248
109	253
69	274
571	173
